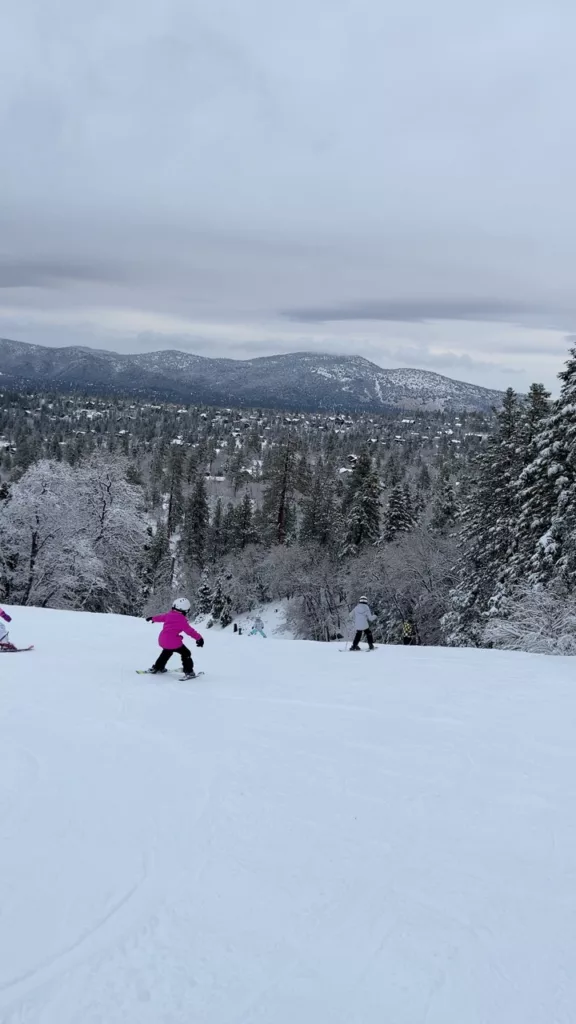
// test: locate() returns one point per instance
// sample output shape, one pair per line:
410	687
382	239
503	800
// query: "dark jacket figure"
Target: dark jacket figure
409	633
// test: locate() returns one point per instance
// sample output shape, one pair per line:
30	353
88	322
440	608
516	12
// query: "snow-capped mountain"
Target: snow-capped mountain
301	380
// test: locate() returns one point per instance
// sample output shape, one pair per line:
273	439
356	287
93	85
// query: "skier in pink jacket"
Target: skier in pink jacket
5	643
175	622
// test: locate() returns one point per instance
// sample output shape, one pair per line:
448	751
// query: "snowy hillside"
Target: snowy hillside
298	380
300	836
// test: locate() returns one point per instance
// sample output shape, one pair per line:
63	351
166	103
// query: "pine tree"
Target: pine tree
157	467
218	597
222	598
278	514
229	532
157	474
235	472
191	469
303	476
361	507
174	475
535	410
196	526
489	528
321	521
424	481
245	529
55	448
547	496
159	563
410	505
445	508
216	540
398	517
535	487
205	595
393	473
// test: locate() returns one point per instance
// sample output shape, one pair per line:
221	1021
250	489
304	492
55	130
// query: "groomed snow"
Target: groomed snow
301	837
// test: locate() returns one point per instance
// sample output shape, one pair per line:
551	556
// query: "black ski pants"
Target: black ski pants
163	659
358	637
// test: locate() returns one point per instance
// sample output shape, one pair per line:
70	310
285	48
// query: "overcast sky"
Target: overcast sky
394	180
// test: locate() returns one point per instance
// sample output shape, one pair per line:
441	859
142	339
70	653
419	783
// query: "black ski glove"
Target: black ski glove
149	619
200	642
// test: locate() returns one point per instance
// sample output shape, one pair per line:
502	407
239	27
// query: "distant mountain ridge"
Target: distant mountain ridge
299	380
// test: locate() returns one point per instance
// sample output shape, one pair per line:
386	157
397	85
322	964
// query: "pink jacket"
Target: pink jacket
175	623
4	615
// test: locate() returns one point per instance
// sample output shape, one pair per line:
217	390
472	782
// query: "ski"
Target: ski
15	650
362	650
170	671
147	672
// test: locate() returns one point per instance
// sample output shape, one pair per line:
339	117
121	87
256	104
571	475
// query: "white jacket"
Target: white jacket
362	616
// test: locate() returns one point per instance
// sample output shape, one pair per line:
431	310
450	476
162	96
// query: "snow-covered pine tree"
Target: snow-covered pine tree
229	528
303	475
361	507
534	486
245	529
195	529
320	515
159	564
398	517
393	472
174	476
236	469
278	516
191	467
205	595
411	504
489	531
157	472
222	598
216	544
445	507
547	493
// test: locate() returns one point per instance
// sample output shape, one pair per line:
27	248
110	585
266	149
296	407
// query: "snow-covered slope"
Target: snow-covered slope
300	836
299	380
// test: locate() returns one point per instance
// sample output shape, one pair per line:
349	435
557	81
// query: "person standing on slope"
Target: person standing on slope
363	617
5	643
175	622
409	635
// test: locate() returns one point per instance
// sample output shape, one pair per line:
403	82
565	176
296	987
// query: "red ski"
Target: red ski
10	649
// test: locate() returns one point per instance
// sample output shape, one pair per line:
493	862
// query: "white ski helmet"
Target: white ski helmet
363	599
181	604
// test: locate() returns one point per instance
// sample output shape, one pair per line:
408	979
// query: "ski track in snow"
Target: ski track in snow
76	943
294	838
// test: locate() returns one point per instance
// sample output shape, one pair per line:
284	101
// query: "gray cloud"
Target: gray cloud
457	364
418	311
52	273
187	170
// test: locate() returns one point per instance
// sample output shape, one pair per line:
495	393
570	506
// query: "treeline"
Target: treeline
232	508
315	540
466	528
516	573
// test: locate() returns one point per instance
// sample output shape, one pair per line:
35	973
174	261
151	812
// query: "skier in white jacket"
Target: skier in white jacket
362	619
